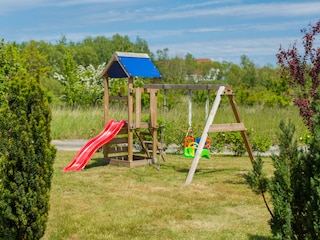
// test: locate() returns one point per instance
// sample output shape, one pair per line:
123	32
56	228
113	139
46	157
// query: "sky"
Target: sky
222	30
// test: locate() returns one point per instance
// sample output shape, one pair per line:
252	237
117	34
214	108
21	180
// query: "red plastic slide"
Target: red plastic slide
85	153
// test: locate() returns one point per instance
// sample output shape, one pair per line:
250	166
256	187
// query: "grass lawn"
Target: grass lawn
110	202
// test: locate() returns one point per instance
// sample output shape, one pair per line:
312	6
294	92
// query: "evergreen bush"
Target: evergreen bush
26	160
294	186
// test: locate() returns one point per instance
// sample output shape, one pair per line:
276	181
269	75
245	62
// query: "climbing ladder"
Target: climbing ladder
146	140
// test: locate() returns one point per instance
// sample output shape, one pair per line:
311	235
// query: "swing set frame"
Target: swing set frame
210	127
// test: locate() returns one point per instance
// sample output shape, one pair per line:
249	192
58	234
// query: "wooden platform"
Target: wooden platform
122	161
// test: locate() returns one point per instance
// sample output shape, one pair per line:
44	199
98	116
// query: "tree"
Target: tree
35	63
302	72
191	64
141	45
295	186
83	86
10	66
121	44
163	55
26	160
248	76
85	55
69	80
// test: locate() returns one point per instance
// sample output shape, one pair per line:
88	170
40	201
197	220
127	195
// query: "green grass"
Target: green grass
109	202
87	123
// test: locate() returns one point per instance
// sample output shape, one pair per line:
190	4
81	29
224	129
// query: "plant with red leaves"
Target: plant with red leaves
302	72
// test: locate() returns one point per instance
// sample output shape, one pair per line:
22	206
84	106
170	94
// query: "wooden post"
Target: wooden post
138	108
106	100
106	112
130	119
154	125
204	135
243	133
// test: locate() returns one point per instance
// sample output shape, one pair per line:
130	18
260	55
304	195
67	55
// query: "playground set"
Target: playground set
117	138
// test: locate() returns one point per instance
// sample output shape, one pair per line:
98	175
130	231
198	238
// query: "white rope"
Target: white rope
190	111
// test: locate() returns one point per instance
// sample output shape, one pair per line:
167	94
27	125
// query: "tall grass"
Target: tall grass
262	121
109	202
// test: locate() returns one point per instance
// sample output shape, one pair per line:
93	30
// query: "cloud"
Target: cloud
18	5
261	50
148	14
245	10
205	4
212	28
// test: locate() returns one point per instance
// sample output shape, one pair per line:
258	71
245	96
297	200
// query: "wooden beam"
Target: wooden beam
154	124
138	108
243	133
106	111
205	135
227	127
130	119
183	86
119	98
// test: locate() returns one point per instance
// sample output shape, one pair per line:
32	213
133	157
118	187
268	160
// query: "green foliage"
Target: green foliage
83	86
233	142
294	186
260	143
36	63
282	184
255	86
10	66
257	178
310	183
45	61
306	138
230	140
26	160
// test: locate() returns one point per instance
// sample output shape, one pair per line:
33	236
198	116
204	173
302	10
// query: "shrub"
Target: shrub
26	161
294	187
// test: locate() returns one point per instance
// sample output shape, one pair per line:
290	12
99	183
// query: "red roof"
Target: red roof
202	60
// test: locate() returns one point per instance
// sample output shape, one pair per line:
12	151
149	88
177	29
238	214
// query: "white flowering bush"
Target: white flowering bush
83	86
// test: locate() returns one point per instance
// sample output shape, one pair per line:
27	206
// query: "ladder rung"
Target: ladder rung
145	133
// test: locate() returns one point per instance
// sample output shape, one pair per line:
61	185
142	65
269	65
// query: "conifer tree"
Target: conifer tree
281	184
295	186
26	160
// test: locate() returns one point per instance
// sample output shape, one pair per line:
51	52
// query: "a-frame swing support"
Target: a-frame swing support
230	127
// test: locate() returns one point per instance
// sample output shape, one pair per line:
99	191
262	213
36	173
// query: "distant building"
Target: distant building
202	60
197	76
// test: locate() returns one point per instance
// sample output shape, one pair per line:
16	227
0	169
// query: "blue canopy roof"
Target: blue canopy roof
126	64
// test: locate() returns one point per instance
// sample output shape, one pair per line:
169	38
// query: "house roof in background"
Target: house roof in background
202	60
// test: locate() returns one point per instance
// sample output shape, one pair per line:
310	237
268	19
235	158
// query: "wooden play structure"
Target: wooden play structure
120	151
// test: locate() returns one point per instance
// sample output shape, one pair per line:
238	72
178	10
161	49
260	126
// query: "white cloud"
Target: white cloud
151	15
231	49
205	4
247	10
18	5
251	29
